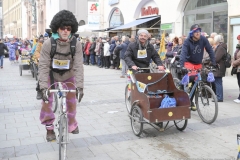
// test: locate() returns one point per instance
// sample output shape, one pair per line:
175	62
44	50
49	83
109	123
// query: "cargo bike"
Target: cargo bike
143	96
25	63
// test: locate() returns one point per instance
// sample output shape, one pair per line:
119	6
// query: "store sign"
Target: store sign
166	26
93	15
147	11
112	2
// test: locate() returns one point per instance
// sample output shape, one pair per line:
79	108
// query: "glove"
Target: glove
216	66
80	92
44	95
184	70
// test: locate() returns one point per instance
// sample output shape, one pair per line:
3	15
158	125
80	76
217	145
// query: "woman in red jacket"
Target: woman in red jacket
86	51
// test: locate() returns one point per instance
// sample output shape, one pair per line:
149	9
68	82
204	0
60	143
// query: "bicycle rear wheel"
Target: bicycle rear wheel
63	137
206	103
128	99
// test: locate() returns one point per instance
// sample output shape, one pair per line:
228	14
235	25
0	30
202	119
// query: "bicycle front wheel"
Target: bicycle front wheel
55	102
207	105
63	137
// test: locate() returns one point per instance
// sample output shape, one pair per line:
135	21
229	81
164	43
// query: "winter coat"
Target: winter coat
92	48
106	49
101	49
192	51
157	47
170	54
76	64
179	50
112	46
97	48
131	56
2	48
236	61
86	48
220	52
123	48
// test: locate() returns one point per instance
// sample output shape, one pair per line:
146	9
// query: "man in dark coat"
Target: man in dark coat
2	48
139	53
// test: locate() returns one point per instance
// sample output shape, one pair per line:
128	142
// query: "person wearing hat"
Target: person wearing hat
64	25
140	53
192	53
236	63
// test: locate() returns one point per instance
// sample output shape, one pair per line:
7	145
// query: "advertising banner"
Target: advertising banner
93	15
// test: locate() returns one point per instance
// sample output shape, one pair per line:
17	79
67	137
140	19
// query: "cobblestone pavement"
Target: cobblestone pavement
108	135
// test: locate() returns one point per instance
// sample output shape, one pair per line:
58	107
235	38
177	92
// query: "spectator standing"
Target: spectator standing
111	49
106	54
97	51
2	48
220	51
87	52
236	63
92	52
123	49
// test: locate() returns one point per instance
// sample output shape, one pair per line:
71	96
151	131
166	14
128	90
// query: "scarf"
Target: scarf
140	47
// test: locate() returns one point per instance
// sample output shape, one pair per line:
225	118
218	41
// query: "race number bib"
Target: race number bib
141	86
142	53
60	64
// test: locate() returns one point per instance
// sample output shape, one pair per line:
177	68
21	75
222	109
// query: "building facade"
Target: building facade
12	17
1	20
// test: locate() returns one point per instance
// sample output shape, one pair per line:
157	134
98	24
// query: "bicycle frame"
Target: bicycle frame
199	78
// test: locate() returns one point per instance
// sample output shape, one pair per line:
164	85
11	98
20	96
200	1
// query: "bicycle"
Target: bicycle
62	121
203	94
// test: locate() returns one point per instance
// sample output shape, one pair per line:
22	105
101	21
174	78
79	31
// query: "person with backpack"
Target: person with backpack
220	53
61	46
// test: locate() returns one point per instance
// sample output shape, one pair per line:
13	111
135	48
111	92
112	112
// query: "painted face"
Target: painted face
64	32
143	37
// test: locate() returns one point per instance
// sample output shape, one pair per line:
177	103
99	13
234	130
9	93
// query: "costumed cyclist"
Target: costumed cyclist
140	53
192	54
63	25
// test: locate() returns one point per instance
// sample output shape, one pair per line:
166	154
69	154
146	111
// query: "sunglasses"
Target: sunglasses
66	28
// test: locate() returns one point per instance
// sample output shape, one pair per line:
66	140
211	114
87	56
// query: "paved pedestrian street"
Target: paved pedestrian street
105	129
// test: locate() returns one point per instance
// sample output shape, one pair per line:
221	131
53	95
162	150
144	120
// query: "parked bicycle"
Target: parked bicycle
205	98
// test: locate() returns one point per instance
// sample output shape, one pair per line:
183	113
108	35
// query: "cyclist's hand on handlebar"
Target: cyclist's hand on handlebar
161	68
184	70
134	67
79	94
44	95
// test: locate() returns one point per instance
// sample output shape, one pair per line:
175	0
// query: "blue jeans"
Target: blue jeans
219	88
92	59
1	60
99	61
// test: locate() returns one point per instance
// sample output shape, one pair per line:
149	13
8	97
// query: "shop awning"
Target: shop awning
102	30
134	23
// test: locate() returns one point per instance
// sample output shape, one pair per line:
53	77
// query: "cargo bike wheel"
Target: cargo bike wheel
128	98
137	120
181	124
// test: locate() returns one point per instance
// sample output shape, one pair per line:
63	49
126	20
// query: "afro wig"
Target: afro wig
64	18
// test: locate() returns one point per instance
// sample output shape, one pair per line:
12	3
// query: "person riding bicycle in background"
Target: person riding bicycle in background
192	53
63	25
140	53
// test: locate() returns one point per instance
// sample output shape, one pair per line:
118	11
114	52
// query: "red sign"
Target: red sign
149	11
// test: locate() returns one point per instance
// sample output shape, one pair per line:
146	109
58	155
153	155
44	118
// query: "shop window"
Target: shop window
188	22
197	4
116	18
203	16
220	23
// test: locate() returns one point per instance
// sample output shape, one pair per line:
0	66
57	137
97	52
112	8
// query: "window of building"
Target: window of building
81	23
211	15
72	6
116	18
198	4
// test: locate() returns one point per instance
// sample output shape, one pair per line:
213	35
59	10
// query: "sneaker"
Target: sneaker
193	107
50	135
122	76
76	131
236	101
39	95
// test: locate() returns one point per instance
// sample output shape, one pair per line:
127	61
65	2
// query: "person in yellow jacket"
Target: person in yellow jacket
36	54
